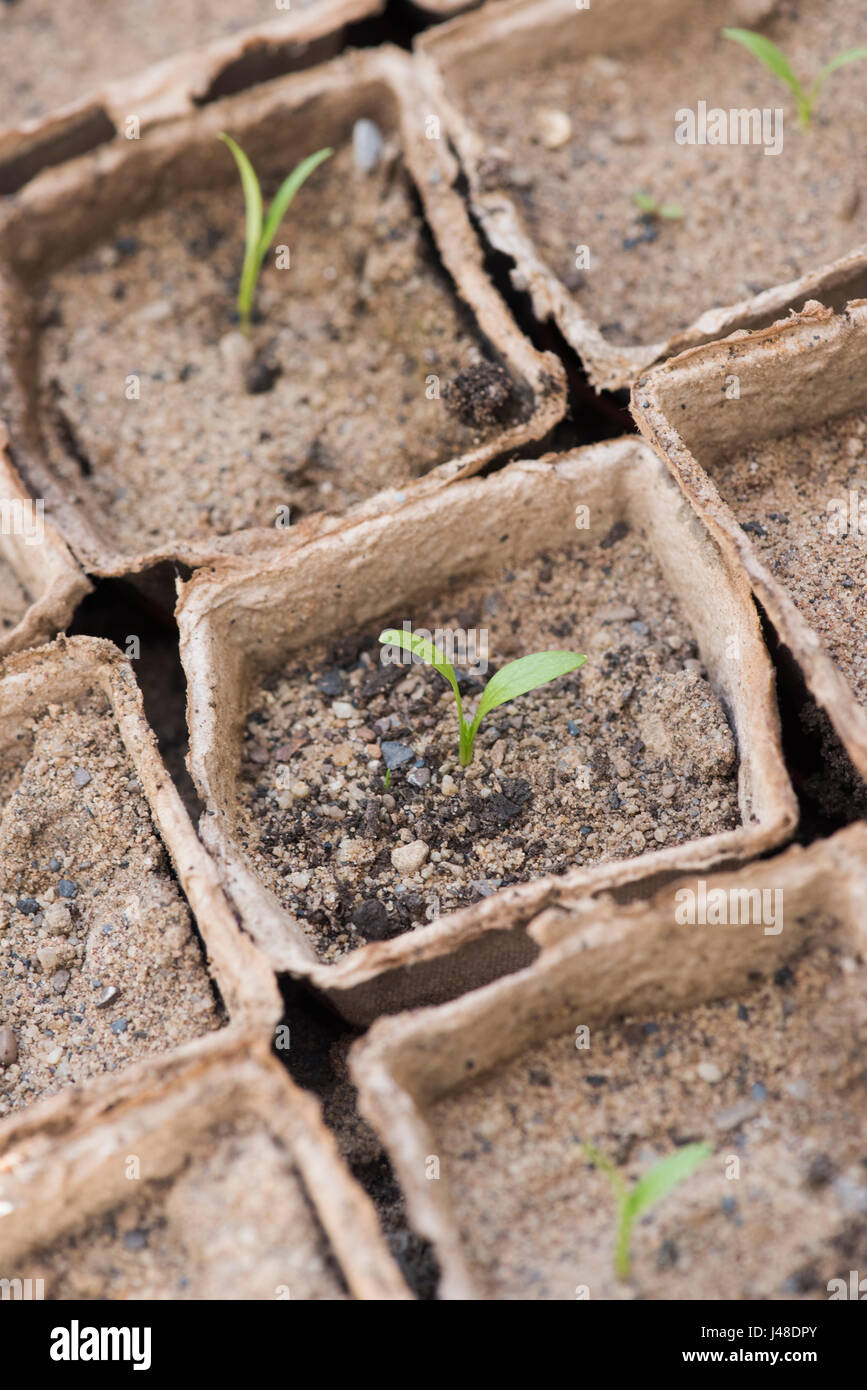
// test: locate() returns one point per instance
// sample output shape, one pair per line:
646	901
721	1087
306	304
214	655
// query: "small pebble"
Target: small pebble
60	981
667	1255
331	683
351	851
395	754
8	1047
109	994
852	1196
58	919
553	128
343	754
626	132
260	376
736	1115
367	145
81	777
371	919
847	204
341	709
408	859
419	777
709	1072
67	889
235	351
119	1025
821	1170
448	786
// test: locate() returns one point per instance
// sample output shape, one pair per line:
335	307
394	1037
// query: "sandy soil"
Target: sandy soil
353	338
792	497
99	962
208	1233
775	1081
751	220
55	53
630	753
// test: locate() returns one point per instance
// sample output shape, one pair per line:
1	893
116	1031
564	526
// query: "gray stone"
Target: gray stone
8	1047
367	145
395	754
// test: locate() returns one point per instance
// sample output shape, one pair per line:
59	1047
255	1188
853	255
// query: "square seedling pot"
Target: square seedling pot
407	374
561	116
484	1104
77	77
766	433
171	1148
98	927
243	625
40	583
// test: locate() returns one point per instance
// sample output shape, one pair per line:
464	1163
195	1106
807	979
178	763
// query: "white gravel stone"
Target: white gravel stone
408	859
554	128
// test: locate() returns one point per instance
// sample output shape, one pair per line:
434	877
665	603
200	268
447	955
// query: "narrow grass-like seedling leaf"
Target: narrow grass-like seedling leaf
651	207
258	237
516	678
851	55
776	62
661	1179
645	202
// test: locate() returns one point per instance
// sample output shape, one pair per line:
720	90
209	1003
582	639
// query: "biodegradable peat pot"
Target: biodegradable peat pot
484	1103
239	1187
382	366
444	9
560	117
291	774
101	962
40	583
767	435
74	76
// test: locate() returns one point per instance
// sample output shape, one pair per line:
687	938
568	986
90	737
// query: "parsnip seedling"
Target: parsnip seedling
516	678
776	61
659	1180
646	203
260	234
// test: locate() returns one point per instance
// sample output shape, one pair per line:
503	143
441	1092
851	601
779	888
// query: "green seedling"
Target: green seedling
516	678
776	61
388	779
646	203
631	1202
261	233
